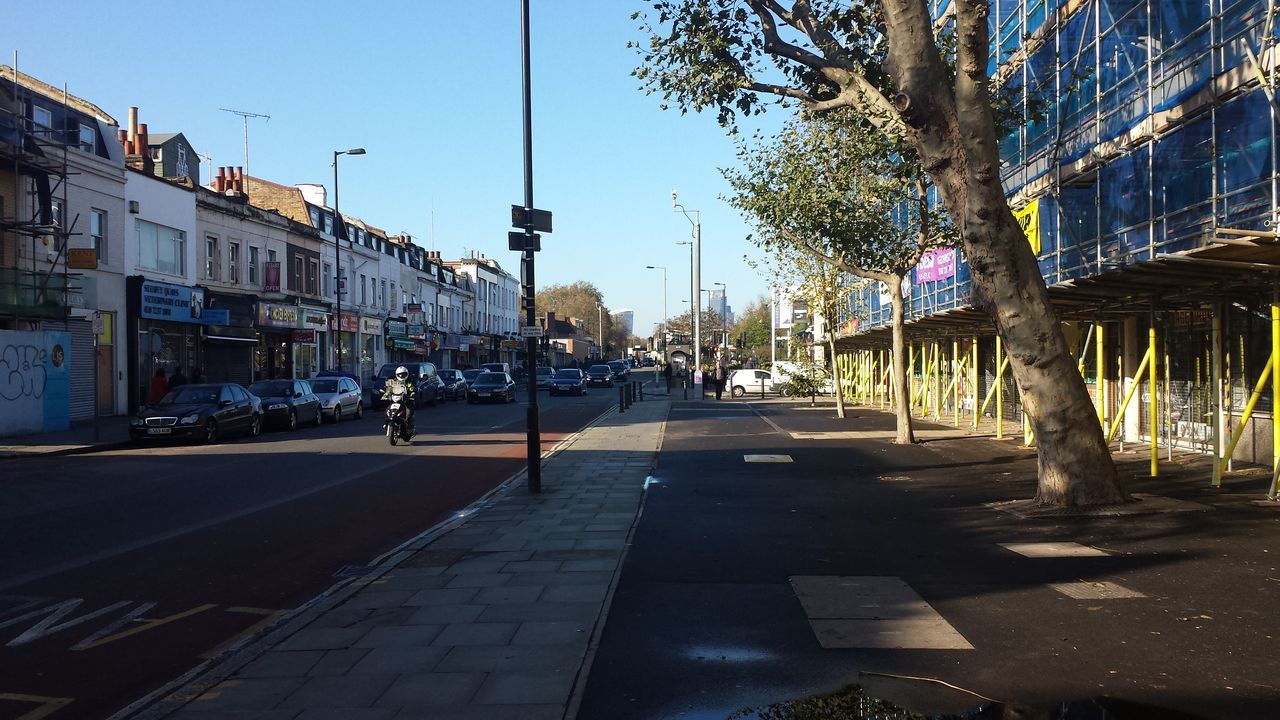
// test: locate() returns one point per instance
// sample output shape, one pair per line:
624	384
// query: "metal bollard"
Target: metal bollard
685	383
631	392
622	400
762	388
642	393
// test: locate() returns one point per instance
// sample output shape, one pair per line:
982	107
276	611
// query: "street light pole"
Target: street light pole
724	323
600	330
337	250
664	307
697	277
534	432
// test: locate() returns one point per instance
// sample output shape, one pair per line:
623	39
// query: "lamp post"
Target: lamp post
724	323
338	228
600	330
696	273
664	307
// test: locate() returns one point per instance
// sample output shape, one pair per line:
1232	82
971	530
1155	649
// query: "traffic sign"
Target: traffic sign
531	219
529	331
519	242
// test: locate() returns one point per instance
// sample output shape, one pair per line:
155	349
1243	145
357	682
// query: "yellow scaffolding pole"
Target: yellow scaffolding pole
973	387
1101	390
1248	409
1275	396
994	390
1153	406
1001	361
1215	382
911	374
939	364
955	380
921	398
1128	395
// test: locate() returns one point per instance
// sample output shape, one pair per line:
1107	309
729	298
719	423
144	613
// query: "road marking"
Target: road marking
1095	590
50	625
47	705
872	612
1053	550
767	458
102	638
269	617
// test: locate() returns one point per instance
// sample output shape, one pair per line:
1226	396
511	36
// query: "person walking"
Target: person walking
666	376
159	386
721	375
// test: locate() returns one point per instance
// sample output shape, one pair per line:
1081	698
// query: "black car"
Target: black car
492	387
569	381
600	375
620	369
455	385
201	412
648	362
422	374
288	403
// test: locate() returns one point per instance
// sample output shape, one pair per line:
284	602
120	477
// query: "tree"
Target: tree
834	188
883	59
584	301
819	282
709	326
751	332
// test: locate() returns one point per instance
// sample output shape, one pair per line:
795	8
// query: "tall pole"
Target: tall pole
600	329
337	263
773	327
534	472
695	279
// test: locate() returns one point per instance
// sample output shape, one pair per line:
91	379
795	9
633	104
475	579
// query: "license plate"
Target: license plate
482	394
159	431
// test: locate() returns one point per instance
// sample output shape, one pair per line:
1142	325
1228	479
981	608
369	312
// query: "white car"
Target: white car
742	382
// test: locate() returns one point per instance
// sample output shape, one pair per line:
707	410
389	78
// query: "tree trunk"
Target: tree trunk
835	374
901	383
951	125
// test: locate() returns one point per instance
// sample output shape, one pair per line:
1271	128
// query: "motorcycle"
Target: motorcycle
397	424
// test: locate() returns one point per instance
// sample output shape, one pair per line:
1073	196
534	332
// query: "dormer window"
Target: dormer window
41	120
88	139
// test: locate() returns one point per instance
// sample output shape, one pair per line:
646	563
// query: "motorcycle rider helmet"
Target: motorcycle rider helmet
402	373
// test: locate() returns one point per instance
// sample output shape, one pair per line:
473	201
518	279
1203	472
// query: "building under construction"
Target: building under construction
1145	178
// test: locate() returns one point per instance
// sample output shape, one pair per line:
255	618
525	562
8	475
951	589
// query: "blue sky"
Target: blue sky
432	91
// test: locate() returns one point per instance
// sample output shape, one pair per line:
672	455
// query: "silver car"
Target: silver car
339	397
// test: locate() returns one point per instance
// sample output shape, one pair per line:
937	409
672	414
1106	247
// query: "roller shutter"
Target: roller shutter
84	366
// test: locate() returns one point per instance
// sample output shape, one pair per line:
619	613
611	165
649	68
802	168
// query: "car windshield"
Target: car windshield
277	388
544	371
617	365
449	375
567	373
470	375
324	386
191	395
490	378
598	369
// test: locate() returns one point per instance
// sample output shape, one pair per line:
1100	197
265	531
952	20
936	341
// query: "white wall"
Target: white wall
165	204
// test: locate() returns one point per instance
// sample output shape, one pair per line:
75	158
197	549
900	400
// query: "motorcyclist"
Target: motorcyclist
400	383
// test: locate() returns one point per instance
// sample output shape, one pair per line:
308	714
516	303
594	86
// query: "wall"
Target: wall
35	381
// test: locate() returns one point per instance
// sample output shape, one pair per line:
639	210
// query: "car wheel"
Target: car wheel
293	420
739	391
359	410
210	431
319	416
255	425
337	414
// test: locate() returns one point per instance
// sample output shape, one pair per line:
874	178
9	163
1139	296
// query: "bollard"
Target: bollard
761	388
641	393
633	393
622	400
685	383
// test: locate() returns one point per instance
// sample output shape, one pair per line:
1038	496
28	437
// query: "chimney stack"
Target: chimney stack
240	178
220	182
132	147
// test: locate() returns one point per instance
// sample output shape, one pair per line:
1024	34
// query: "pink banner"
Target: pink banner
936	265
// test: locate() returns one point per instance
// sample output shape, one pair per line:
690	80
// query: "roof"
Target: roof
53	93
154	139
284	199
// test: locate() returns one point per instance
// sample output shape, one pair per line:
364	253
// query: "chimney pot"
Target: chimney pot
133	123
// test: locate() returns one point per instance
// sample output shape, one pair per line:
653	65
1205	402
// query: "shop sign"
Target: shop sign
416	331
277	315
218	316
350	322
397	329
512	345
371	326
413	313
271	276
304	336
82	258
1029	218
314	320
937	264
174	303
404	344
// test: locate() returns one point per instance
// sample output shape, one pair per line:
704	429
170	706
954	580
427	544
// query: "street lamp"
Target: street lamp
695	272
600	330
664	307
337	249
724	323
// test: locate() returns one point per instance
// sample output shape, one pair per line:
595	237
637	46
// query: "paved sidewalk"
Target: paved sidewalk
112	432
490	618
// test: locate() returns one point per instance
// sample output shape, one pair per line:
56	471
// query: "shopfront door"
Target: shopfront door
306	360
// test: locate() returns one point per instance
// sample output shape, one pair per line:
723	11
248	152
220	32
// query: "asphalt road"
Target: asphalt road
121	570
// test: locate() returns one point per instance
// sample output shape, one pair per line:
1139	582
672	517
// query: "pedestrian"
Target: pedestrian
159	386
177	379
721	375
666	375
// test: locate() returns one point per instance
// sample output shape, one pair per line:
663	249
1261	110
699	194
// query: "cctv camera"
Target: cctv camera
673	198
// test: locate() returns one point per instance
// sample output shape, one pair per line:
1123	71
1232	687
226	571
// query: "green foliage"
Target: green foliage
851	703
751	333
807	378
581	300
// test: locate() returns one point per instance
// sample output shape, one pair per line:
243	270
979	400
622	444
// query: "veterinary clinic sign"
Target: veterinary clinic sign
174	303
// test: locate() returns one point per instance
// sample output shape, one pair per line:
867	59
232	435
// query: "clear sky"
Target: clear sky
431	90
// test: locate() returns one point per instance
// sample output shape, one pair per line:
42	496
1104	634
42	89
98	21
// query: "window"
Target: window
41	120
160	248
313	276
233	262
364	290
393	297
211	259
382	295
253	265
328	224
324	280
98	233
315	218
296	286
88	139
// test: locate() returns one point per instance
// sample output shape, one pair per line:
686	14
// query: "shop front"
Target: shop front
469	349
346	357
164	327
230	337
372	352
317	321
274	358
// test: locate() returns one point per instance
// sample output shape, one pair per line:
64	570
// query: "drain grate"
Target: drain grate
1101	590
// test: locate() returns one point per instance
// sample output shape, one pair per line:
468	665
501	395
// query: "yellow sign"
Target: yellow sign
1029	218
82	258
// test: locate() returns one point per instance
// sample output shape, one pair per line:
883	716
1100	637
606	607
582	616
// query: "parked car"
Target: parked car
423	374
648	362
339	397
471	375
569	381
199	412
499	367
742	382
492	387
455	385
619	368
543	377
288	403
600	375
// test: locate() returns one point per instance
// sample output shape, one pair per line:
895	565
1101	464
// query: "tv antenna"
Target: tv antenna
245	115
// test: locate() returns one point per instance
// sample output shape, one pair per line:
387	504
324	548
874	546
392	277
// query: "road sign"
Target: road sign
530	331
519	242
531	219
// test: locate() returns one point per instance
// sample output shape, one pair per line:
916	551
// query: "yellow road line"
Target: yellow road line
47	705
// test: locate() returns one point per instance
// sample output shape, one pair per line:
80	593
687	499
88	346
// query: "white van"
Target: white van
496	367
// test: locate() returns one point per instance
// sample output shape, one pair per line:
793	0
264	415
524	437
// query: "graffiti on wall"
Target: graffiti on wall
34	381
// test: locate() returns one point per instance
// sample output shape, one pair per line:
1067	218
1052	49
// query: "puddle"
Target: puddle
729	654
854	703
